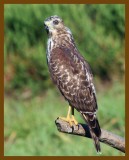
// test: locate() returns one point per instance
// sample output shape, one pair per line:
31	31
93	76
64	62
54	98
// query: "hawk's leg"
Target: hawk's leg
73	118
69	119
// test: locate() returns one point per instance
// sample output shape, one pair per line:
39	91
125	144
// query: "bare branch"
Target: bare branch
83	130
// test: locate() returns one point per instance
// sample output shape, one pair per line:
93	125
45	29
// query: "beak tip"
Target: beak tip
46	28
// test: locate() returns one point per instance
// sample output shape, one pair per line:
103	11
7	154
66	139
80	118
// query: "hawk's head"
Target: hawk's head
54	24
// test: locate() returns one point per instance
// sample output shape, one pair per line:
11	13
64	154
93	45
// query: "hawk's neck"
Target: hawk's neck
64	39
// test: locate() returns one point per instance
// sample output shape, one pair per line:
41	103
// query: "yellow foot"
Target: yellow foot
70	120
74	120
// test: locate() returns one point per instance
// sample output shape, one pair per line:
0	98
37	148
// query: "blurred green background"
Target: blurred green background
32	102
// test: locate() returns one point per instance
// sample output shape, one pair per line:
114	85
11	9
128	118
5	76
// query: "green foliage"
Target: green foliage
30	129
98	31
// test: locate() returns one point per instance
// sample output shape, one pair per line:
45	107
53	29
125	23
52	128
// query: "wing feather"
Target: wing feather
74	78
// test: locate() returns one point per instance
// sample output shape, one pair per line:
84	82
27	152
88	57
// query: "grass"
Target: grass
30	129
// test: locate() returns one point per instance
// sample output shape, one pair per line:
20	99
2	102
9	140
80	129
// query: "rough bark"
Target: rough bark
106	137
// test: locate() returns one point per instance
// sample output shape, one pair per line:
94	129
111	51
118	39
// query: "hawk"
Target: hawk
72	75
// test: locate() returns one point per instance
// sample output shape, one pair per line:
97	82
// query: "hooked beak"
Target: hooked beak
46	28
47	25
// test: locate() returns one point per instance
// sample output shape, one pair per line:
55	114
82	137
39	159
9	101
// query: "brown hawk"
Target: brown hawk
72	75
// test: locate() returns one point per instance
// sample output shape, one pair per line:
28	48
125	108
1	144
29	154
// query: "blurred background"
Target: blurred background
32	102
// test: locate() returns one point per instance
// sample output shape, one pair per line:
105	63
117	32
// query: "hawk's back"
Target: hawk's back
73	76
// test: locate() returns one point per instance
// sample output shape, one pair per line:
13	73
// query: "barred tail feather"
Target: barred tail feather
96	141
94	127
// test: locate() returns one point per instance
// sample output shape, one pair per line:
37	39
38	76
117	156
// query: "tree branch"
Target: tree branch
83	130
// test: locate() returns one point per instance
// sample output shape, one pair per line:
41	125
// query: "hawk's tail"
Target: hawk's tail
94	127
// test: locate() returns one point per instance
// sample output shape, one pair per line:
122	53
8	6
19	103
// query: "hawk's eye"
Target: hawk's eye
55	22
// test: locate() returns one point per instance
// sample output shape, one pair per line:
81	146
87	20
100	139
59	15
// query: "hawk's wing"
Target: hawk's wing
73	76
